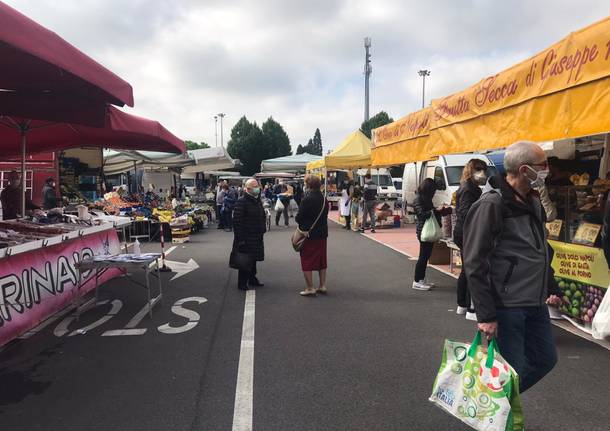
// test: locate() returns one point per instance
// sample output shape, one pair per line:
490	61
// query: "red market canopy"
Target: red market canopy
46	78
122	131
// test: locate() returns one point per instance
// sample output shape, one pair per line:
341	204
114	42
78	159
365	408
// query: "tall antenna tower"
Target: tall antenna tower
367	73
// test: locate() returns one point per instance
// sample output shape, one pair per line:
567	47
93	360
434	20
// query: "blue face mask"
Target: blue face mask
256	191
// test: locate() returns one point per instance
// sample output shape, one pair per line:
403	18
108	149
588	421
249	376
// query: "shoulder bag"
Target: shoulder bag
300	236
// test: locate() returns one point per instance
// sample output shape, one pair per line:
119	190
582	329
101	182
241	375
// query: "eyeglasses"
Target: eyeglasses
543	165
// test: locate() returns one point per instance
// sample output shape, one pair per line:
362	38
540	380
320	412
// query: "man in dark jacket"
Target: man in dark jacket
248	229
11	198
506	262
49	196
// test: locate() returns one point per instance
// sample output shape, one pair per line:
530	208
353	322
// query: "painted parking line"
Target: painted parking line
242	412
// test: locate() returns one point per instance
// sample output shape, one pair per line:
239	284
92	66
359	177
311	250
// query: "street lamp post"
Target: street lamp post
367	73
423	74
215	130
221	115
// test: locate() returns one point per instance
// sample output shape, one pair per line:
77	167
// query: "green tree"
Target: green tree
300	149
247	144
380	119
276	141
192	145
317	143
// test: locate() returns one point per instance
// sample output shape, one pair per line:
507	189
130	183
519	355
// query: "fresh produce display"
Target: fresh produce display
579	300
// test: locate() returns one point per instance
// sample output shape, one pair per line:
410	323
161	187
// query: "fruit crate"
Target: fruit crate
579	300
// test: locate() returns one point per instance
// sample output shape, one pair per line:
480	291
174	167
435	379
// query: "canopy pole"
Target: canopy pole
325	182
135	180
23	173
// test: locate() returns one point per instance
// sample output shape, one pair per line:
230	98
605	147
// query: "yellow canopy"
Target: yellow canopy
354	152
561	92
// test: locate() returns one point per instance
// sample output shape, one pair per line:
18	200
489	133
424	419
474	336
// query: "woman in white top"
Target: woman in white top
345	204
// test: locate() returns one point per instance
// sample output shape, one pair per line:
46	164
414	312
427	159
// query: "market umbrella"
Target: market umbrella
43	77
121	131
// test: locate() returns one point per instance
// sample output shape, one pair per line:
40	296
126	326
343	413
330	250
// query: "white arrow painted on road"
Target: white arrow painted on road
181	268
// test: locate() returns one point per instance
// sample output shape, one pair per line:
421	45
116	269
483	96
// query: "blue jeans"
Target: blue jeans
526	341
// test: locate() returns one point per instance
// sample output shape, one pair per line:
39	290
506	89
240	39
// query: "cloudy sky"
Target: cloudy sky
302	61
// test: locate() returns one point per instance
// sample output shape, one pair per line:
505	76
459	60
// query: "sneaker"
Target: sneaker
308	292
322	290
418	285
372	230
461	310
471	315
429	283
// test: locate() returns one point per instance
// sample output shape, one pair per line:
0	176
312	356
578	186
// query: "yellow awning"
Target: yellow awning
562	92
354	152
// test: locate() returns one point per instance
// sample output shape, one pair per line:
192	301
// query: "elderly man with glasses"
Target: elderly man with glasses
507	262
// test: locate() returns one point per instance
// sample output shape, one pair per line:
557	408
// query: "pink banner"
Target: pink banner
36	284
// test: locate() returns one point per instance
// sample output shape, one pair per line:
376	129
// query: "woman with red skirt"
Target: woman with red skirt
313	217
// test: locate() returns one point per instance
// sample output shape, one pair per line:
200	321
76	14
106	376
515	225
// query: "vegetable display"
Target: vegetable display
579	300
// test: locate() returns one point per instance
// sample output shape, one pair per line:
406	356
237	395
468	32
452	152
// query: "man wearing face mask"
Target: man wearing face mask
248	229
506	262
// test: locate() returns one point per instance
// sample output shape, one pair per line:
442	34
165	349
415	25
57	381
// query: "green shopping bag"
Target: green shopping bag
478	386
431	232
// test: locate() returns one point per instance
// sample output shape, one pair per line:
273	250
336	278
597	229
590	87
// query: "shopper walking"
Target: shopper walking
220	198
281	193
507	265
370	202
49	195
248	230
345	204
424	209
230	198
474	175
313	218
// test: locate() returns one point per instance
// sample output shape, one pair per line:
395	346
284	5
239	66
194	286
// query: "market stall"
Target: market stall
559	98
295	164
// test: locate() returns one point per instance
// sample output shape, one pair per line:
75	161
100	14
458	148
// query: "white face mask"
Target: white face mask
480	177
540	177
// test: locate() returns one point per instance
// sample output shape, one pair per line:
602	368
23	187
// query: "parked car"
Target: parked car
446	171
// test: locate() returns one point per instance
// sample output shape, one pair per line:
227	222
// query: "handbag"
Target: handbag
300	236
431	232
478	386
279	206
241	261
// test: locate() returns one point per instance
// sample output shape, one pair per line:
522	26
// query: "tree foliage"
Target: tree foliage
314	145
380	119
251	144
300	149
192	145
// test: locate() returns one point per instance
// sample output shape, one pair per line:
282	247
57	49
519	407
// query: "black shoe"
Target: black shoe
242	287
255	283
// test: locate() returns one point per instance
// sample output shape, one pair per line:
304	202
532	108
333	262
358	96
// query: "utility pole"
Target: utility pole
216	130
221	115
367	73
423	74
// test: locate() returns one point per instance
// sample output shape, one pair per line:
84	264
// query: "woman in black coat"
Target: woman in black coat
473	176
248	229
424	209
313	217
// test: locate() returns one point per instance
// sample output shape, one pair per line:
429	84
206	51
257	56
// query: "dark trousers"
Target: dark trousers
425	251
227	219
219	216
348	222
278	214
526	341
463	294
243	277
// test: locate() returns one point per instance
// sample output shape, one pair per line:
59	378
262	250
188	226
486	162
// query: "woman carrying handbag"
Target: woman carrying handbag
313	223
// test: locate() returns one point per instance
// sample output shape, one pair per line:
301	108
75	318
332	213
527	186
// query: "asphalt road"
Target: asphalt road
362	358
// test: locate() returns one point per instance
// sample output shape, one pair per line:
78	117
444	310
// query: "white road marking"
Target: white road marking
181	268
242	412
192	316
120	332
116	307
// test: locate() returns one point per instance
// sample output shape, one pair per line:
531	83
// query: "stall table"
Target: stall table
124	262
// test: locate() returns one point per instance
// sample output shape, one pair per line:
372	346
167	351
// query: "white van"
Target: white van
446	171
188	181
383	179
